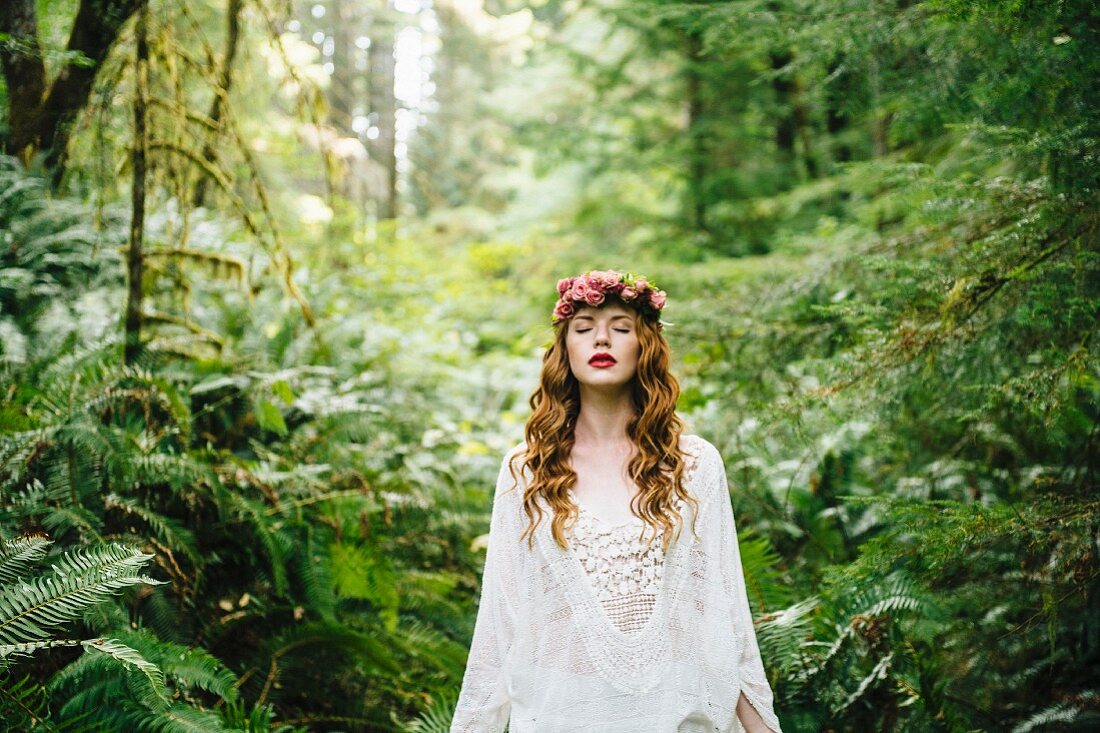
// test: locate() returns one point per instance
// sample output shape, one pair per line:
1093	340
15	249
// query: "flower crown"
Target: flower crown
593	287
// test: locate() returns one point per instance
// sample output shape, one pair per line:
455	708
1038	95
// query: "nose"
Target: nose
602	335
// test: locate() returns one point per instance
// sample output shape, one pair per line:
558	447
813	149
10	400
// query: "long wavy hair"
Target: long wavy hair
657	467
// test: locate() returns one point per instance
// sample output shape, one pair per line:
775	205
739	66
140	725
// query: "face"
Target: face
603	345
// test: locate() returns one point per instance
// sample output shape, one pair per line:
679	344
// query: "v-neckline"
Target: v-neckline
640	637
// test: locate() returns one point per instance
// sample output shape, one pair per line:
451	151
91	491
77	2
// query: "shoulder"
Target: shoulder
701	448
511	468
514	455
706	468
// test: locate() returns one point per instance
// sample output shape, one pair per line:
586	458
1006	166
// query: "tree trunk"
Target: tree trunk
793	120
24	73
784	123
836	118
384	104
697	134
221	95
137	222
342	89
40	119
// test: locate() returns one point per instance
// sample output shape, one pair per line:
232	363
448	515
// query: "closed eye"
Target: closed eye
616	330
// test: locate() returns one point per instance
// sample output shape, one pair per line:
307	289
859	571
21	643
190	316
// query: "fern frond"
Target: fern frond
184	666
762	578
18	554
880	672
24	707
31	609
151	691
314	572
894	593
436	718
422	641
281	650
782	635
86	684
62	519
29	647
253	514
1077	712
166	529
105	561
183	719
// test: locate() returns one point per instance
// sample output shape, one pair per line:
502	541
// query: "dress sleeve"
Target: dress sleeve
483	704
754	681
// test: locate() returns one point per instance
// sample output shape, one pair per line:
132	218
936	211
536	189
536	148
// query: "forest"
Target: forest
275	284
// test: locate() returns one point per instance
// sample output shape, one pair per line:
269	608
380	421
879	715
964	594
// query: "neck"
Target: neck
603	416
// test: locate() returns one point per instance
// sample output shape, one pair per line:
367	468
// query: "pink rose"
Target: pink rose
564	285
641	284
593	298
605	279
628	293
564	309
580	289
658	299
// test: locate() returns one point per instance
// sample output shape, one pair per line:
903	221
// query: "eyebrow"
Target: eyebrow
613	318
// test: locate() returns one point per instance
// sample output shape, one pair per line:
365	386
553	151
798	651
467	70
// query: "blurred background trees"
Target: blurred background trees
284	393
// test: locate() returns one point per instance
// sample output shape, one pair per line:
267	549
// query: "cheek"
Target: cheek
635	352
572	351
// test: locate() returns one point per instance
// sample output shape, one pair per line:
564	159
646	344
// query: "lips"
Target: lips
602	361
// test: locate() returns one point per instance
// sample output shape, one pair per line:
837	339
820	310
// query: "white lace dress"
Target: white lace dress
612	635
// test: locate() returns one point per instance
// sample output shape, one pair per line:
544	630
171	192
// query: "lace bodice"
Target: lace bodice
623	568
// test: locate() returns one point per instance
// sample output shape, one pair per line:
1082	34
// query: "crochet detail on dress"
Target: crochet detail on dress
624	570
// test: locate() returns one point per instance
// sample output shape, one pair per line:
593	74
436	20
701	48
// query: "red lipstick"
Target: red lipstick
602	360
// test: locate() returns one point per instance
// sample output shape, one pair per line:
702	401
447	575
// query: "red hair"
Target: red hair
657	467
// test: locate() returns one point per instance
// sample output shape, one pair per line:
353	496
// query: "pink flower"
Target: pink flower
605	279
564	309
593	288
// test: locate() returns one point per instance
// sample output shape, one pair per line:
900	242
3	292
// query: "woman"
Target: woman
585	623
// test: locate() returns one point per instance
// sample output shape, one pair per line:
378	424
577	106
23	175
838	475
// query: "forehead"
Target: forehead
611	312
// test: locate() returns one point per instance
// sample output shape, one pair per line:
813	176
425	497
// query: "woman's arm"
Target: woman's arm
750	719
483	705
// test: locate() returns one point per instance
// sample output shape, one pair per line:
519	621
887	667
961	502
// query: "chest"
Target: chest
603	486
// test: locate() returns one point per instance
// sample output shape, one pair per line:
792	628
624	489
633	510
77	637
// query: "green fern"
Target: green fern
151	690
1081	713
24	707
163	673
18	555
783	634
436	718
33	607
169	531
181	718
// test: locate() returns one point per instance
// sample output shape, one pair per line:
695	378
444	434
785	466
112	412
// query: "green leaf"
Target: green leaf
269	417
282	389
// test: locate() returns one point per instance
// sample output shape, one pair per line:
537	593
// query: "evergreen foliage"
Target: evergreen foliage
877	223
